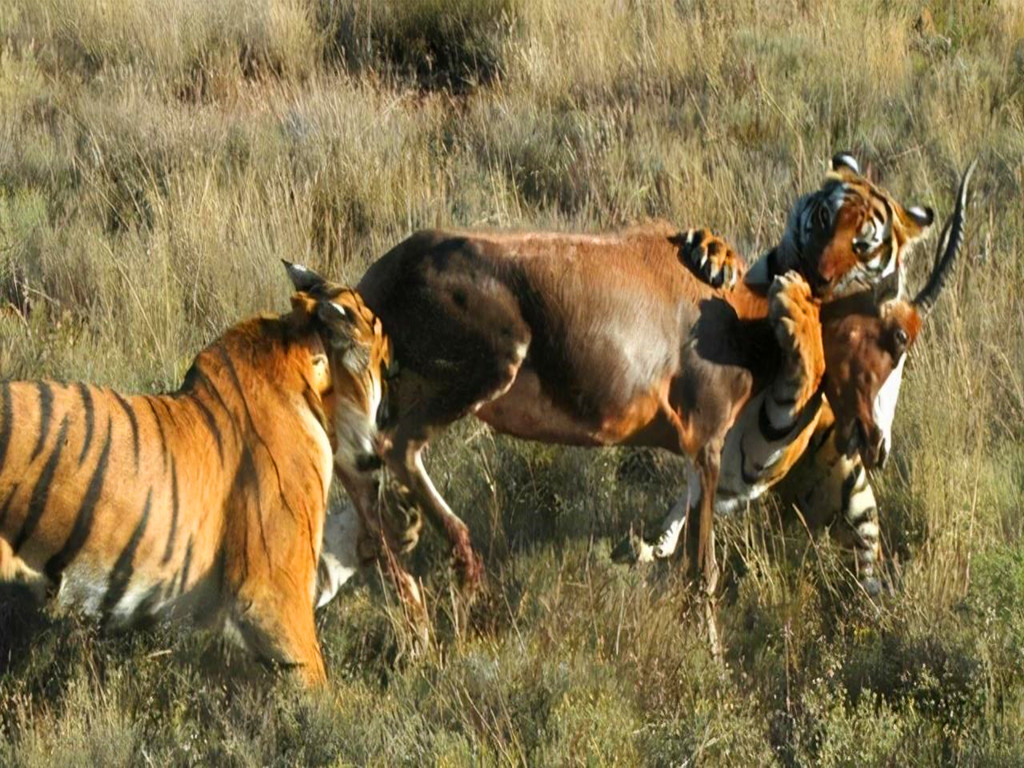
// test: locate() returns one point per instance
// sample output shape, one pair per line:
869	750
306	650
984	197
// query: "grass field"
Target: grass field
158	159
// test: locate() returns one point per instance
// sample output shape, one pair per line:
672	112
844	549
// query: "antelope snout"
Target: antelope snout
867	440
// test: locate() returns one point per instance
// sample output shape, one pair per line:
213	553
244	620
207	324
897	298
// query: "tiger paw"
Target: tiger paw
710	258
872	586
669	539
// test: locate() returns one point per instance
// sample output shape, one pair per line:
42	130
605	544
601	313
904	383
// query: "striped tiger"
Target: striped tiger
208	502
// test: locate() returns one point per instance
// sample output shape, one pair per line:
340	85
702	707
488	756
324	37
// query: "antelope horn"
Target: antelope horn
949	244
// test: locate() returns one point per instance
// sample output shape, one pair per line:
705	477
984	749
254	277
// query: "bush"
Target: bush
453	44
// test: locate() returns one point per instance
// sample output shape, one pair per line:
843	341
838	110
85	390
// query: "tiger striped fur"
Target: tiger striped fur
831	489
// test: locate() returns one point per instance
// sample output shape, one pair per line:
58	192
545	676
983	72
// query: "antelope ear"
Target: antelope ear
888	288
847	161
303	279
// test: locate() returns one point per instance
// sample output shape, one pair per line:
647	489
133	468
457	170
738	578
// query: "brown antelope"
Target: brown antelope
608	340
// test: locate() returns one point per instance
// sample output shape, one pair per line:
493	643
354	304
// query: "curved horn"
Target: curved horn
949	243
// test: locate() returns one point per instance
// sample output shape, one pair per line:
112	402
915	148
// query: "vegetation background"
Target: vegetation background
158	158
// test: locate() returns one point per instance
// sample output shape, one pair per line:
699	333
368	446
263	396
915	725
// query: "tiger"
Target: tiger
207	503
824	482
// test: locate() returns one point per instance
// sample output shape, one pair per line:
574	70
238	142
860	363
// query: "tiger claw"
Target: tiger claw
669	540
794	317
710	258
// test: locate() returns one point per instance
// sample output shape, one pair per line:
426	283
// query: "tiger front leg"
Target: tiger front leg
795	318
280	629
860	514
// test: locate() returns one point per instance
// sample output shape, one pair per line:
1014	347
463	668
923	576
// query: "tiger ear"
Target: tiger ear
333	313
303	310
916	220
304	279
845	160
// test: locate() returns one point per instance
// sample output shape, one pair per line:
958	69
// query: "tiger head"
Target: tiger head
360	360
866	336
848	234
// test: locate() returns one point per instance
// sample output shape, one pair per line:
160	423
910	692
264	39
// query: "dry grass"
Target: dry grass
156	160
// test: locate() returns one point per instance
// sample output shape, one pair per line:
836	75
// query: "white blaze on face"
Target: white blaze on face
884	410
